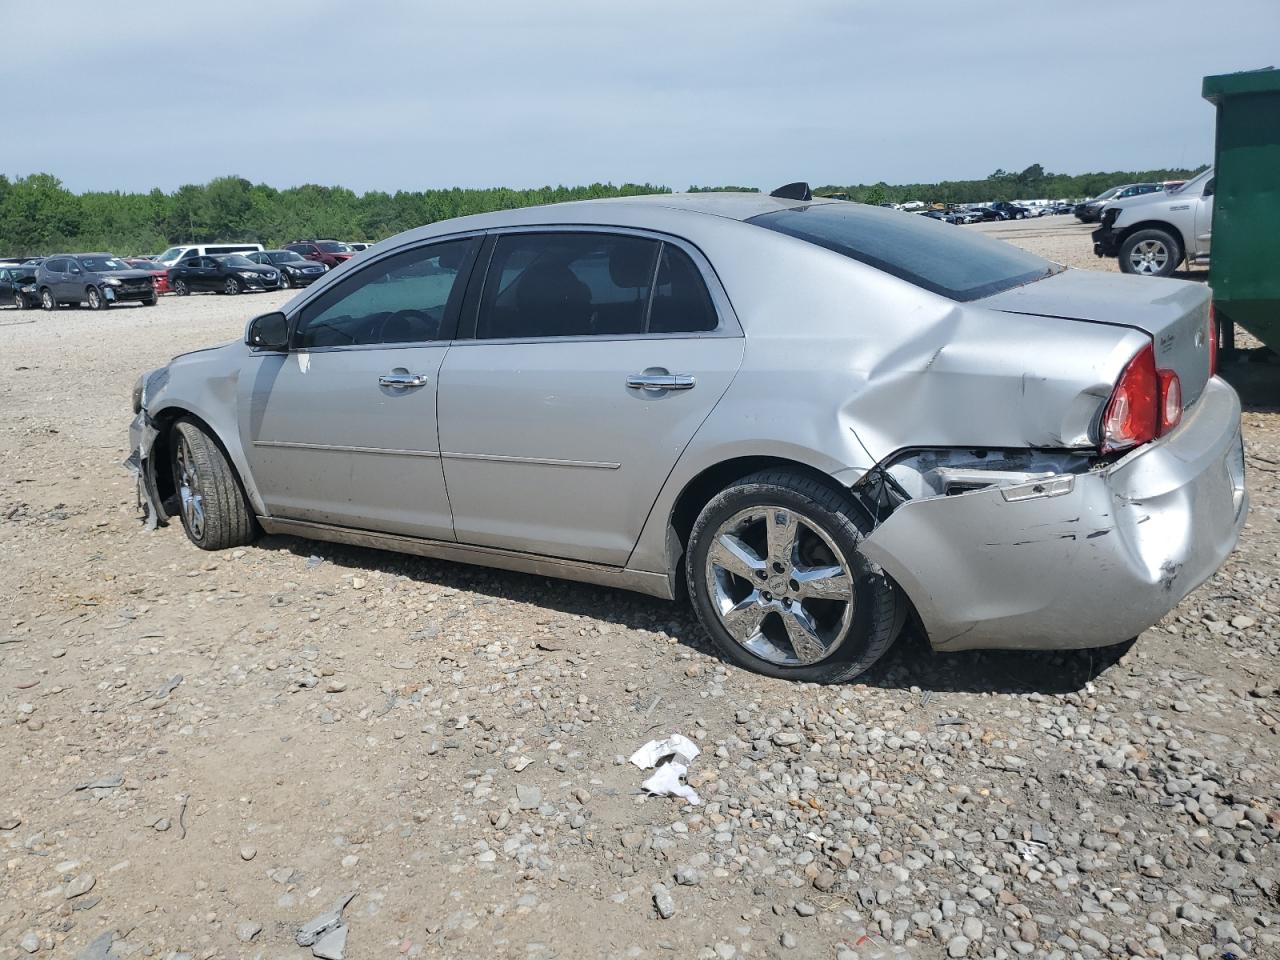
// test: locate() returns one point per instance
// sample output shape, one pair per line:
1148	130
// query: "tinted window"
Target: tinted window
402	299
54	266
934	256
681	303
99	264
567	285
234	260
285	256
333	246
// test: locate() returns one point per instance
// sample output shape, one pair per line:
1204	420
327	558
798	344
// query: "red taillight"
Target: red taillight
1213	340
1145	404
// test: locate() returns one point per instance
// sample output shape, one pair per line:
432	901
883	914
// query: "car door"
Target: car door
579	384
341	429
70	288
201	274
1204	220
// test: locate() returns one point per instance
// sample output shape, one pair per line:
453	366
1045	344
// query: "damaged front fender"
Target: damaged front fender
143	433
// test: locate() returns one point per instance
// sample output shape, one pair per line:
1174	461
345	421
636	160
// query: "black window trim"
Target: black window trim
448	324
727	324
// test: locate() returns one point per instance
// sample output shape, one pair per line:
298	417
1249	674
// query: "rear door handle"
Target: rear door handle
403	379
661	381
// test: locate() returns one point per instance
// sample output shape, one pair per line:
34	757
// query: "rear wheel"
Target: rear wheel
231	287
215	512
47	300
180	288
777	578
1150	253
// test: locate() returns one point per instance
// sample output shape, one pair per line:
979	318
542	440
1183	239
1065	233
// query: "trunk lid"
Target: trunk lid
1174	313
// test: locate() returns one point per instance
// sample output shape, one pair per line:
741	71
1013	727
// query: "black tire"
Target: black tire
20	300
152	302
232	287
181	289
1150	253
47	300
874	622
93	296
224	518
285	282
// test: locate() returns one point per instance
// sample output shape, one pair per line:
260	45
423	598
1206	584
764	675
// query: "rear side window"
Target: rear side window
411	297
590	285
933	256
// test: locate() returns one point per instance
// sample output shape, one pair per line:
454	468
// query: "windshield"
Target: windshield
285	256
235	260
1108	194
170	255
1194	183
99	264
941	259
333	246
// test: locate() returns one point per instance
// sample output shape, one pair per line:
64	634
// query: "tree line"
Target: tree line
38	215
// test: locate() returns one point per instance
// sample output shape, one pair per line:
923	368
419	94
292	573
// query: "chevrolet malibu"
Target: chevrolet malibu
814	418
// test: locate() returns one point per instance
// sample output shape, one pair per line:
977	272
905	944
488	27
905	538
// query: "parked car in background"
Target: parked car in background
96	279
943	215
159	273
295	269
1091	210
1152	234
822	417
1010	211
329	252
359	247
986	214
230	273
18	286
188	251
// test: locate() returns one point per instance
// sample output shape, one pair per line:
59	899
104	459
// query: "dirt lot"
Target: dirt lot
201	752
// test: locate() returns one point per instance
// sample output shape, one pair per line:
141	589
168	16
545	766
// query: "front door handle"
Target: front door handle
403	379
660	381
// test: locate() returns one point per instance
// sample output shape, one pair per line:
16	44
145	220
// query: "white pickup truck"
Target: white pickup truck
1154	233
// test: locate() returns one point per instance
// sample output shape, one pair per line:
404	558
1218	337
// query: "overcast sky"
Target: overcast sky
377	94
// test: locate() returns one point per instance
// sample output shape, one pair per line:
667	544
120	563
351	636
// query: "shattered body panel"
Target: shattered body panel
1094	565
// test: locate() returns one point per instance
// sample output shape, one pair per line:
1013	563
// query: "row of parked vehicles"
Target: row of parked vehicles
1000	210
98	280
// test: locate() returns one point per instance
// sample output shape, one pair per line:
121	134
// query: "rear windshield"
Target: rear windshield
939	257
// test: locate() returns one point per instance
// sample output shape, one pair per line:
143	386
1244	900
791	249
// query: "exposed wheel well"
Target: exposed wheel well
160	452
699	491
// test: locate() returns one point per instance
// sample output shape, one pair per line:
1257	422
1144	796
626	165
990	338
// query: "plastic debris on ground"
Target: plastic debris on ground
670	758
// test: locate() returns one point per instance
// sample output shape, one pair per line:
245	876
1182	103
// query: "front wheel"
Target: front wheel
151	302
19	300
95	299
285	281
777	579
215	512
1150	253
231	287
181	289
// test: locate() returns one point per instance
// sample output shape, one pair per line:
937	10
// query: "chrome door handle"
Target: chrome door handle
660	381
403	379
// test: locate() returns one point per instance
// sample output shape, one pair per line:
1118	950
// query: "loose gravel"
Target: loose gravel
202	753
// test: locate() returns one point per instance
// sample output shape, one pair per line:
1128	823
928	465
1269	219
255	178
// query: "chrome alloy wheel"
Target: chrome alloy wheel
780	586
189	491
1149	256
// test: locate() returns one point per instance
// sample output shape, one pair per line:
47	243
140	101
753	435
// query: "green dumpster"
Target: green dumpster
1244	266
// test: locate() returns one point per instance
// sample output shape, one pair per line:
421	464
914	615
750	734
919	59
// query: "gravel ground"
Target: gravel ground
199	753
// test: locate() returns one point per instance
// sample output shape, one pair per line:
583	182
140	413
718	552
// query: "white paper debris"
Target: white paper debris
655	751
667	782
670	756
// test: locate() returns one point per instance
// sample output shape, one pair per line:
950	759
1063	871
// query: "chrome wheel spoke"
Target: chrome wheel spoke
823	583
731	554
803	634
745	617
781	530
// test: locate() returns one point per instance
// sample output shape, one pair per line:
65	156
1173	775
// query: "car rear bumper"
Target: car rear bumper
1093	566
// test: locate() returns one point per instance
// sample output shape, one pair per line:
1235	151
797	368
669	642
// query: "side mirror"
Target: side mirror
268	332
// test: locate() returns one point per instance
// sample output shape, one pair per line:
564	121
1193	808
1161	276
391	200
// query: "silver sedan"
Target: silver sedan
814	418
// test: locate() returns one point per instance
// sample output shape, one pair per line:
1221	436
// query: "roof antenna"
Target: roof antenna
793	191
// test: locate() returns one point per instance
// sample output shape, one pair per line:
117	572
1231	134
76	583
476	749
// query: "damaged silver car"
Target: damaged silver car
815	418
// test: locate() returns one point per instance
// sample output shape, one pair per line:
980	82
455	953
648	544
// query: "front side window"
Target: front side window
951	263
411	297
